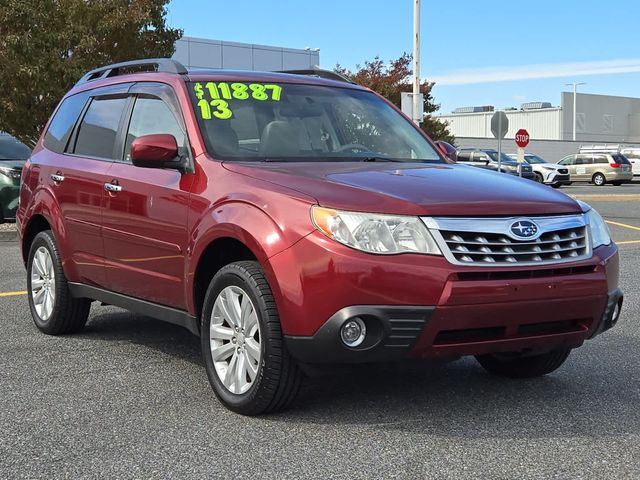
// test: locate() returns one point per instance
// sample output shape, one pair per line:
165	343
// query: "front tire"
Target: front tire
248	365
518	366
539	178
54	310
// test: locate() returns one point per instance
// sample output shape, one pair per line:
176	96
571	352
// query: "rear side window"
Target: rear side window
63	121
99	127
600	159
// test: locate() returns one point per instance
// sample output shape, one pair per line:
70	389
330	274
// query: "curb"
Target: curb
9	236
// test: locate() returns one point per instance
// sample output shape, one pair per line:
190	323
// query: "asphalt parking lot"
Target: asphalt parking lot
129	398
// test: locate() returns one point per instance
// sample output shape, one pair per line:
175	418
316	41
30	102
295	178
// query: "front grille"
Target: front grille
563	171
469	247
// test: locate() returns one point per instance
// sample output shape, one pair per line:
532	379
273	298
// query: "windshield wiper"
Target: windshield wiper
379	159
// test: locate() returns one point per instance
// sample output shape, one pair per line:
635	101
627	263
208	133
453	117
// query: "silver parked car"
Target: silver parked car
598	168
545	172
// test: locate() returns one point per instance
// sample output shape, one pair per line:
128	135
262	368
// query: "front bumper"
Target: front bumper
421	306
555	178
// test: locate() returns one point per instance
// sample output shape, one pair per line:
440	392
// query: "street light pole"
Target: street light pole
575	96
417	107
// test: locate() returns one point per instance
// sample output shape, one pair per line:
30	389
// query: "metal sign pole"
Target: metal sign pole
500	145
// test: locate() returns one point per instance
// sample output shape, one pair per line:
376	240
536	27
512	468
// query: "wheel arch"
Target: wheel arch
237	231
218	253
37	223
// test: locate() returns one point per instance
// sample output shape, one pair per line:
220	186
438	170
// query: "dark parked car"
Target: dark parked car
488	159
12	157
291	219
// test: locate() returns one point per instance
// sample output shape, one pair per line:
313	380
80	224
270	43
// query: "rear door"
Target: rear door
145	221
76	176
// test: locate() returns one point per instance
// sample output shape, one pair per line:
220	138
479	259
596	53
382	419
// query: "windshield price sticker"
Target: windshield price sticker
220	92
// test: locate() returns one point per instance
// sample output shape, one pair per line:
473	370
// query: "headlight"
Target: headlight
10	172
600	234
373	233
548	168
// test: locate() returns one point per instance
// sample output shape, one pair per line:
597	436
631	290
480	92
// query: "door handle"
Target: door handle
112	187
56	177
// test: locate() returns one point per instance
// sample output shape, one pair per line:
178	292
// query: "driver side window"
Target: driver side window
152	116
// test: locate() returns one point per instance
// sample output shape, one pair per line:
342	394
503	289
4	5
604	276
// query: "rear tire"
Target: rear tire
517	366
599	180
54	310
253	372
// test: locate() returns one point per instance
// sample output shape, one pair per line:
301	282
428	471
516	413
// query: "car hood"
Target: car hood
555	166
412	188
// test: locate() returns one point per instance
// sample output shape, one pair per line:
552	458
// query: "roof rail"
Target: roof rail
320	73
166	65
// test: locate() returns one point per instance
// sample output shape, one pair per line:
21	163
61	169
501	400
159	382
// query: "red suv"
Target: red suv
293	219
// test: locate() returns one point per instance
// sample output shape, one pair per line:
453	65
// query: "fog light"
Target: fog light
353	332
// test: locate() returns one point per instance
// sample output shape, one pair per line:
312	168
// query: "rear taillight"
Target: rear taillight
615	165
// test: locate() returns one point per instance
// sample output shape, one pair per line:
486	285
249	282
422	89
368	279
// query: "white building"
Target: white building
204	53
599	119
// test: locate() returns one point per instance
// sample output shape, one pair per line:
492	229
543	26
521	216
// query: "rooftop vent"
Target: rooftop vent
483	108
535	105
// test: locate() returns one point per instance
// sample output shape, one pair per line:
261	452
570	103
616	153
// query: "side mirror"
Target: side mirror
442	149
155	151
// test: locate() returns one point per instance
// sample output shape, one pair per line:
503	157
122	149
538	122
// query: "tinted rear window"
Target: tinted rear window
97	133
12	149
62	123
621	159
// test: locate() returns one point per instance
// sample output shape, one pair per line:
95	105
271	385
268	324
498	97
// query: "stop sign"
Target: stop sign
522	138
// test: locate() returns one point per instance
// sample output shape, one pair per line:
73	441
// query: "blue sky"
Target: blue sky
468	46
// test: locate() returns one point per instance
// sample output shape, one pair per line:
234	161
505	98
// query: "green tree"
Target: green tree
393	79
47	45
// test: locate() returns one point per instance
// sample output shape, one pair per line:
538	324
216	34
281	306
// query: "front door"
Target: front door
145	216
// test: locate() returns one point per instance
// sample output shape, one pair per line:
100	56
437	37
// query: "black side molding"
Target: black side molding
161	312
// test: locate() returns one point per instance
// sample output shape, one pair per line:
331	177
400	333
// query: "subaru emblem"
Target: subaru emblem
524	229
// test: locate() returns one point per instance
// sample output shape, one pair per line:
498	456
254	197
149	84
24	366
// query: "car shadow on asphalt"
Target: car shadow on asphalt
113	324
591	395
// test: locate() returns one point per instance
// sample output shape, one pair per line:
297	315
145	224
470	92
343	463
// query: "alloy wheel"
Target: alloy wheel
235	339
43	283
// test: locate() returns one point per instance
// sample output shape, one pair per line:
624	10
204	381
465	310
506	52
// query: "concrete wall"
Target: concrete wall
203	53
545	123
550	150
601	118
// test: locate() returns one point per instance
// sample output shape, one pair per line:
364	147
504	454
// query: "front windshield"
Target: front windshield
12	149
504	158
292	122
534	159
